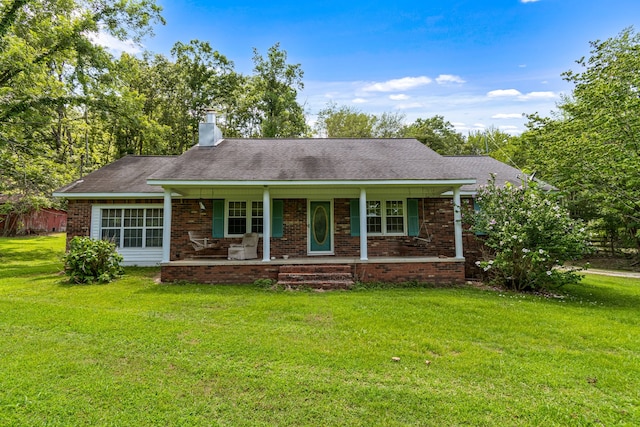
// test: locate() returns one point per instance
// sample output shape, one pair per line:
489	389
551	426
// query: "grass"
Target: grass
135	352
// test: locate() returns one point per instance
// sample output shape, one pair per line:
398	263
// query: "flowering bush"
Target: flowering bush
530	236
90	261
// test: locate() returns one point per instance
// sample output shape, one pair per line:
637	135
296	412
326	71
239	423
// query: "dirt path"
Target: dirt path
615	273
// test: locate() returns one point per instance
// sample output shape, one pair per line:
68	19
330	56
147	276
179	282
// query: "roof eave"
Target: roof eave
131	195
300	183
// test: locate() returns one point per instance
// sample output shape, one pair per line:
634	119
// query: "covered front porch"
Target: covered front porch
388	231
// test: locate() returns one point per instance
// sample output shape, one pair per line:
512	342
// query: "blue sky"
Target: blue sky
477	63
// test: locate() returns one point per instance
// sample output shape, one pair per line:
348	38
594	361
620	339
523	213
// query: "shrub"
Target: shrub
530	236
90	261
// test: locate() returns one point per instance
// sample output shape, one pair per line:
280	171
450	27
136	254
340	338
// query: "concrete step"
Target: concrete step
325	276
315	268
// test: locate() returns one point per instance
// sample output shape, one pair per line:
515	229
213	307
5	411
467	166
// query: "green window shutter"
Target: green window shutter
355	216
413	217
218	218
476	209
277	218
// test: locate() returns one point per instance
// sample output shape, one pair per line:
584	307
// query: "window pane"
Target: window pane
256	217
395	225
132	238
111	217
154	218
374	216
374	225
238	209
237	218
395	216
237	226
133	217
395	208
154	238
112	235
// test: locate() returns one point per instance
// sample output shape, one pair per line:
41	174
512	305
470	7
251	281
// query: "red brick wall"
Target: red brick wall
431	272
78	218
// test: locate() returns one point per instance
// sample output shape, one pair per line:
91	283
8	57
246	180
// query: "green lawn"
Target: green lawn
135	352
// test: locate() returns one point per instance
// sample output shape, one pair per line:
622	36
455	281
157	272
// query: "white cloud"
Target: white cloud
449	78
507	116
359	101
540	95
404	83
399	97
503	92
113	44
513	93
409	106
529	1
479	125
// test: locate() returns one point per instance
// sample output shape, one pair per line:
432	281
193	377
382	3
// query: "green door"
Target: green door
320	231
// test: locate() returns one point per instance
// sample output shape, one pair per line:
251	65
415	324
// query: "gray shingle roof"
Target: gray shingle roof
483	166
311	159
126	175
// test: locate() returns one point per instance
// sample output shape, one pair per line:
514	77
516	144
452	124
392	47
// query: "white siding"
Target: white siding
144	257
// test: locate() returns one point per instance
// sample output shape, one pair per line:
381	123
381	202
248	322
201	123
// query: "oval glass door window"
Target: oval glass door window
320	225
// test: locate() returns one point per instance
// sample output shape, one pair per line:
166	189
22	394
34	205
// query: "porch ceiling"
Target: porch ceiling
291	191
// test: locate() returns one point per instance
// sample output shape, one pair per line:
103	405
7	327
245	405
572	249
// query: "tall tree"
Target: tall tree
50	67
348	122
592	145
437	134
275	86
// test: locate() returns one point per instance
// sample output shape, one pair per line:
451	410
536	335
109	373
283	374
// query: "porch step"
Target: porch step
317	276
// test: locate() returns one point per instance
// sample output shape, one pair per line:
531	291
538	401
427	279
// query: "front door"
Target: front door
320	228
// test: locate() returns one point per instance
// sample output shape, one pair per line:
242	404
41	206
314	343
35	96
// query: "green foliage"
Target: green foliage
531	237
591	147
276	86
437	134
349	122
90	261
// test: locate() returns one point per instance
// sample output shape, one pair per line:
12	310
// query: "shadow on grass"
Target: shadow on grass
608	296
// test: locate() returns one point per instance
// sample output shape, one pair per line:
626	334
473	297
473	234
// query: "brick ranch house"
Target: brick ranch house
368	209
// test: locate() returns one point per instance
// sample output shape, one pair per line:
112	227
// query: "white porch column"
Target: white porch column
363	225
166	227
266	225
457	219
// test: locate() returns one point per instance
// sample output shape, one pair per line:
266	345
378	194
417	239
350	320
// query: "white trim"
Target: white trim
351	182
158	195
266	225
248	216
132	256
331	228
364	253
383	216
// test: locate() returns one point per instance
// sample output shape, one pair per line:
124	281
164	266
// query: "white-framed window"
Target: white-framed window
386	217
132	227
244	216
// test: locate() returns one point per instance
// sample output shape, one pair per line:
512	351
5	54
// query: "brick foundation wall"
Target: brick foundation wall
222	274
440	272
429	272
